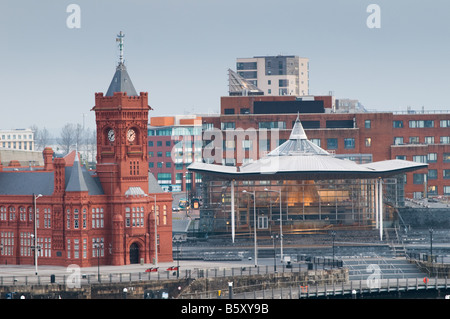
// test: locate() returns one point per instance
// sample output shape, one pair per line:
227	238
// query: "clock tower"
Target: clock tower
121	119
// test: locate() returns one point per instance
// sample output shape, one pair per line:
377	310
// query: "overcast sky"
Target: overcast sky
179	52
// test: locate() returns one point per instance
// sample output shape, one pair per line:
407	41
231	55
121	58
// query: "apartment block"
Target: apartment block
276	75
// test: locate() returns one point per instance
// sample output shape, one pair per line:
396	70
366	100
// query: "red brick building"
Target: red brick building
80	216
362	137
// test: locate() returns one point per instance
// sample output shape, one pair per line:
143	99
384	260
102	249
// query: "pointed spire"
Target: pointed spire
121	81
76	182
298	133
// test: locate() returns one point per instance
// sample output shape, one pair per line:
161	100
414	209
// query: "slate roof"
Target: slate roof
153	186
26	183
76	181
121	82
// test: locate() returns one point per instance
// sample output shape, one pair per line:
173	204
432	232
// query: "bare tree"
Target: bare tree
68	137
41	137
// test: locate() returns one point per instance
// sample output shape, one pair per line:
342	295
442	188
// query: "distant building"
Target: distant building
174	142
360	136
276	75
18	139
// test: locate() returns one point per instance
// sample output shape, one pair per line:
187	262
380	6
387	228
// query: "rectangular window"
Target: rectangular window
446	190
272	124
246	66
444	140
445	123
227	125
368	141
446	157
446	174
421	124
283	83
429	139
413	140
419	158
432	157
349	143
432	190
367	124
316	141
397	124
332	143
398	140
432	174
401	157
418	178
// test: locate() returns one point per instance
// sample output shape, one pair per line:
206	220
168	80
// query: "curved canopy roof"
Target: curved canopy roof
299	158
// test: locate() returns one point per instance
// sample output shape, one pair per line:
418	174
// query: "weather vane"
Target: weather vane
119	39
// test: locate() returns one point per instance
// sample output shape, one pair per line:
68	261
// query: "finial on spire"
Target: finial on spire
119	39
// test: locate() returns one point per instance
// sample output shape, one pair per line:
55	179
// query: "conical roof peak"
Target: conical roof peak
298	133
298	144
121	82
76	182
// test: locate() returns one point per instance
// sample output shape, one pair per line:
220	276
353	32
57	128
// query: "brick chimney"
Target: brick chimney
48	159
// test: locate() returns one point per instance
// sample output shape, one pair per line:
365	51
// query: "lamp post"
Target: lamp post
431	244
254	224
98	245
274	237
333	235
281	222
156	229
35	197
177	241
185	176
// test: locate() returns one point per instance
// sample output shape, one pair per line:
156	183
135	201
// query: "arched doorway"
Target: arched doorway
134	253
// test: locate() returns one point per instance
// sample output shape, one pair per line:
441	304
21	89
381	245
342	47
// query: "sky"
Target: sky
179	52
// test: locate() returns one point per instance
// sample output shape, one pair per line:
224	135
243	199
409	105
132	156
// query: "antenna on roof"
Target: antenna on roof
119	39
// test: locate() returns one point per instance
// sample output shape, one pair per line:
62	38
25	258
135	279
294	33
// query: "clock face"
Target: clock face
131	135
111	135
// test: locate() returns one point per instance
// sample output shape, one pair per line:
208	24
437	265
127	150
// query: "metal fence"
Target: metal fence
159	274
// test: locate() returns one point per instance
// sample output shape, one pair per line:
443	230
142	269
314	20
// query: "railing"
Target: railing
352	289
159	274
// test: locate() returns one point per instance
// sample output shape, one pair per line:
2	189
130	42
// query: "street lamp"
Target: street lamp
178	242
254	223
98	245
274	237
281	222
431	244
156	233
35	197
185	176
333	235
